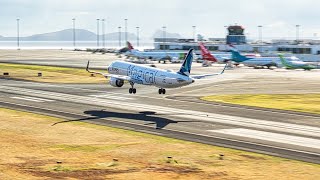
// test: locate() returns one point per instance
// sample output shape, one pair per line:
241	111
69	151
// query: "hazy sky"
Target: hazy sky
278	17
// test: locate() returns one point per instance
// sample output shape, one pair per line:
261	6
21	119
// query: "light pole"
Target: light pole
226	38
74	32
164	37
103	33
126	30
137	36
226	27
194	33
98	33
18	34
260	34
297	33
119	36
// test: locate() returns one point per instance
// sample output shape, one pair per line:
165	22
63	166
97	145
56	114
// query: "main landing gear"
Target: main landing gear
132	90
162	91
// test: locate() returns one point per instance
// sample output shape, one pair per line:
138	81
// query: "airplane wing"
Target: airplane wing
207	75
126	78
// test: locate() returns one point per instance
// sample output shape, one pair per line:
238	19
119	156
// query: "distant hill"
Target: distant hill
159	34
67	35
64	35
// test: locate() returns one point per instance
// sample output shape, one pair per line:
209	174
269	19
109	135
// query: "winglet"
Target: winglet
87	69
224	69
94	72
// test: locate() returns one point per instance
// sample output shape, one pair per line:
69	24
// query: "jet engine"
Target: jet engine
116	82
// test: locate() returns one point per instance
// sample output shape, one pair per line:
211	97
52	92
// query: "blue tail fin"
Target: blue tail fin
186	65
237	57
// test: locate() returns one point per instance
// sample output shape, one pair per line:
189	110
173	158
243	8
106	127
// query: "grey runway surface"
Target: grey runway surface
178	115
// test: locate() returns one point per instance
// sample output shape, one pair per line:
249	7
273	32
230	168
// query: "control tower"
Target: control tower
236	35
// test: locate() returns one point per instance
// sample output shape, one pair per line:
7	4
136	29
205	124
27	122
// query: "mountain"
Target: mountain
64	35
67	35
159	34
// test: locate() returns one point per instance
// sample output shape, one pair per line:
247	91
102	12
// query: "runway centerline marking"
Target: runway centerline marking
29	98
269	136
108	96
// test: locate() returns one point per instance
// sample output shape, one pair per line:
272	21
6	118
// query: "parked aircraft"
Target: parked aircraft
120	71
249	55
221	57
294	64
217	57
254	61
206	55
154	55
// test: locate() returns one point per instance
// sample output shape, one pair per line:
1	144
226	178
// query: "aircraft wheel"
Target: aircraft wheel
134	90
130	90
162	91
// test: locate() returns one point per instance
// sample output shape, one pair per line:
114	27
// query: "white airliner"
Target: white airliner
120	71
157	55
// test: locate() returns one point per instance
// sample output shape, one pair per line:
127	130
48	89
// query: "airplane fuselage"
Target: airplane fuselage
300	65
156	55
145	75
262	61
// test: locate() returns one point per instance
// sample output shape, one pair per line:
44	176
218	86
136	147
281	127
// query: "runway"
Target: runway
179	114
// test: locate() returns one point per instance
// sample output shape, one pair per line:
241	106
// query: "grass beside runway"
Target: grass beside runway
50	74
309	103
32	148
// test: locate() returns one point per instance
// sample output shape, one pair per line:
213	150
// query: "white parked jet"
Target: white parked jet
154	55
120	71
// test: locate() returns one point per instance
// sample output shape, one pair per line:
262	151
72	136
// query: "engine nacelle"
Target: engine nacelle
116	82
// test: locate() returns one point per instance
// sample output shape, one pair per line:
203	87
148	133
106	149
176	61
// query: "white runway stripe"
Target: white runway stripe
34	99
116	97
274	137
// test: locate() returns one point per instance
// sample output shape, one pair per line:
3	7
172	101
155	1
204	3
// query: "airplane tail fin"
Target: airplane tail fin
283	60
237	57
186	65
129	45
206	55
